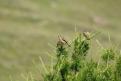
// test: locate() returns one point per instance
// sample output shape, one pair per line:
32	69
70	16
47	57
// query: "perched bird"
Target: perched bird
62	41
87	35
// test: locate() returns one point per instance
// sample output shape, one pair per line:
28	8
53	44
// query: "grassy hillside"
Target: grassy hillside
29	28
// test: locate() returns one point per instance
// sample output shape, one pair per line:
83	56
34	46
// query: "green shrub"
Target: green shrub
72	65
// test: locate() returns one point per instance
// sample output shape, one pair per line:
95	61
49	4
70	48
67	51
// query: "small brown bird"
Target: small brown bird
87	35
62	40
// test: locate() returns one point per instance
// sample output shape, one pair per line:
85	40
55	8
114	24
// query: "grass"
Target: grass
26	28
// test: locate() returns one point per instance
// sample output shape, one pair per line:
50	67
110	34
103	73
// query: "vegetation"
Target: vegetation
28	29
72	64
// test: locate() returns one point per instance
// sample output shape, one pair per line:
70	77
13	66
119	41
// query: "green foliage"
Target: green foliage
72	64
108	55
118	68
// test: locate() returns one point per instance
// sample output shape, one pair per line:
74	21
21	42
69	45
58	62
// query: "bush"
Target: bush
72	64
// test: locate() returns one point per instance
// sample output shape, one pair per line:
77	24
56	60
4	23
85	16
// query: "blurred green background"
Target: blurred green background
29	29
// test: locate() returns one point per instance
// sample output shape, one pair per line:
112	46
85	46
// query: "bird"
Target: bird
62	40
87	35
